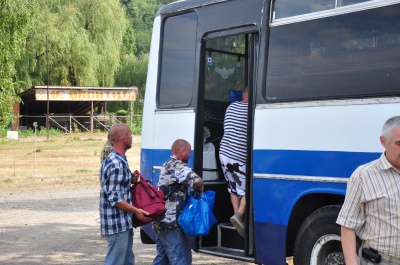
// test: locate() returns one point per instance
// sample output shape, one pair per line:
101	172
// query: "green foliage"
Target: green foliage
134	62
43	132
122	112
133	71
129	42
7	99
30	132
136	124
16	18
88	43
114	106
141	14
84	42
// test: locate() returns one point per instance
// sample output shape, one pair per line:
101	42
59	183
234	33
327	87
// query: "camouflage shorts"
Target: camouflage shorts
235	174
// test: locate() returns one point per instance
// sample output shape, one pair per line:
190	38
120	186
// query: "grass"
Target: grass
63	160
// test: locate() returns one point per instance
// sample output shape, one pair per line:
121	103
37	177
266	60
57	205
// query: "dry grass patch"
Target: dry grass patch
64	160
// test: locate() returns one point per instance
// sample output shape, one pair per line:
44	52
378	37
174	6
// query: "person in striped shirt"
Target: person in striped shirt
233	155
371	209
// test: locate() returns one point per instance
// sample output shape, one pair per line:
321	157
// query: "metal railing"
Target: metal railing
70	123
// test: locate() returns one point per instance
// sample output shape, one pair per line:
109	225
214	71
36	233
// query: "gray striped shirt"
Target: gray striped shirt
372	206
234	141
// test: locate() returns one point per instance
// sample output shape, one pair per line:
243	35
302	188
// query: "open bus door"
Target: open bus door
227	68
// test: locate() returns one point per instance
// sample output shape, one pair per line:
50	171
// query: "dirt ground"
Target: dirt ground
61	226
49	202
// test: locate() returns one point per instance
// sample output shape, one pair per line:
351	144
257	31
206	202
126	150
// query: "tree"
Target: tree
141	14
134	61
133	71
84	43
16	17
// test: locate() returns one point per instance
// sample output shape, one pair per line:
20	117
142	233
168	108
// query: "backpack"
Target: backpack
149	198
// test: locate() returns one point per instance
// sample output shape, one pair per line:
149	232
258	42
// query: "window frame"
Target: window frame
274	96
338	10
160	89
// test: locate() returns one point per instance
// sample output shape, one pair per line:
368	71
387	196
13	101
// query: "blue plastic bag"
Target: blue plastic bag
197	217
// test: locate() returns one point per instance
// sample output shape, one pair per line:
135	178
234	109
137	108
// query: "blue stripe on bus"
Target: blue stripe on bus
150	158
274	199
282	162
273	203
271	243
309	163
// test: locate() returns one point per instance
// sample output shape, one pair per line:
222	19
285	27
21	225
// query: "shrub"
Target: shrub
122	112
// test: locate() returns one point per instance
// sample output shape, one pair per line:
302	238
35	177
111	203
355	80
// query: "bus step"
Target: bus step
228	237
226	253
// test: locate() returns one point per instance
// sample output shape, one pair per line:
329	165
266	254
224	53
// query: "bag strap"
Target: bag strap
139	182
164	188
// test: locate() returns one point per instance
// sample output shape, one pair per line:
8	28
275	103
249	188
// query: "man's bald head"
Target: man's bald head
118	130
181	149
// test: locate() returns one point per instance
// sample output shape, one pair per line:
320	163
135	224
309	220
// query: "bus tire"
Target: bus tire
318	241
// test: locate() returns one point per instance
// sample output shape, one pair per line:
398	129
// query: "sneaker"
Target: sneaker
237	221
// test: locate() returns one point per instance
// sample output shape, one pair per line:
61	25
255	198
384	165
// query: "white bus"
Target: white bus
324	75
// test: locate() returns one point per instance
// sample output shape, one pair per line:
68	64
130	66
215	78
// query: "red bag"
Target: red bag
149	198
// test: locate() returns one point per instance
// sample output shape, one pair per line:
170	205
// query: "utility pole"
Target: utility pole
48	80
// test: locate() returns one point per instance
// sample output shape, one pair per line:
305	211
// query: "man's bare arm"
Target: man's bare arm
349	245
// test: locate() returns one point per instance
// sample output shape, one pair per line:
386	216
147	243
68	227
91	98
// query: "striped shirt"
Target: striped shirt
372	206
234	142
115	184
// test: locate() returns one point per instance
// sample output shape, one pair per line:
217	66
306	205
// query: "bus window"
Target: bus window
225	67
289	8
349	2
225	74
177	61
335	57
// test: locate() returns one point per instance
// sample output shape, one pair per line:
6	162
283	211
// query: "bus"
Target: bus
323	77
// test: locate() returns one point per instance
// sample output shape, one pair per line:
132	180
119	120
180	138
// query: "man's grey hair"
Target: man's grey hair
389	125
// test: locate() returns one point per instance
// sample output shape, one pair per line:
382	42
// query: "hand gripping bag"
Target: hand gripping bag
149	198
197	217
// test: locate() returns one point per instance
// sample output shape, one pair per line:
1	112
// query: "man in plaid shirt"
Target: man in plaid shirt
115	199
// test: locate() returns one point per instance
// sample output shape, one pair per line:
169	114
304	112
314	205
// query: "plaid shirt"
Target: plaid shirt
115	183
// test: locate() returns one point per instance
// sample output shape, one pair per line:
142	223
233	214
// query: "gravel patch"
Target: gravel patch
50	227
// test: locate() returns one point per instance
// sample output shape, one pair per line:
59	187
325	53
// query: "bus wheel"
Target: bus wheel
318	240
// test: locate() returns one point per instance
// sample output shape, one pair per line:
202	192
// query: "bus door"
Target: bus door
227	68
171	115
169	111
